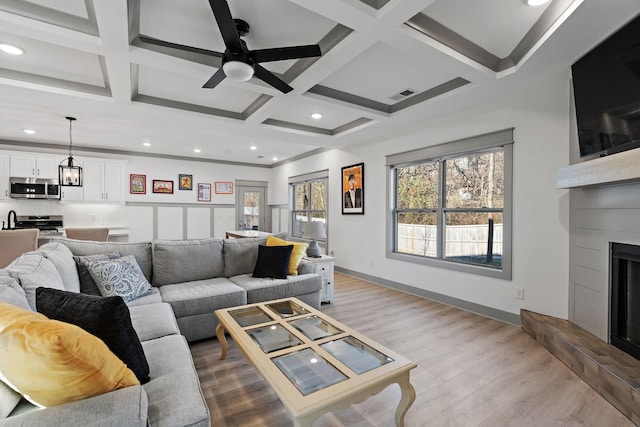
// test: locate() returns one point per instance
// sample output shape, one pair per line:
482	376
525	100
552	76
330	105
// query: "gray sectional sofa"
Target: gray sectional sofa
191	279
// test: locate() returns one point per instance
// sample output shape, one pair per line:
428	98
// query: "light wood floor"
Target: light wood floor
472	371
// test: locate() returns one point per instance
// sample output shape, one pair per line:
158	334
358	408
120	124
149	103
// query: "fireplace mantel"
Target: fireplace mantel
616	168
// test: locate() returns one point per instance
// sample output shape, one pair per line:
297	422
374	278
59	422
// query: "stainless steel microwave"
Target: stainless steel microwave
34	188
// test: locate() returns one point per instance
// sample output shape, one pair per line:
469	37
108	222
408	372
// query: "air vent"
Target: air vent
402	95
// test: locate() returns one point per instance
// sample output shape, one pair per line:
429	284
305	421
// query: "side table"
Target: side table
324	267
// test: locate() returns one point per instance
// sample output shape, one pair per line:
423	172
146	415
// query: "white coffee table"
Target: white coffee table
314	363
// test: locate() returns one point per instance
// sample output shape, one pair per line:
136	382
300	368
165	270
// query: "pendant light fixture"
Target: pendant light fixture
70	175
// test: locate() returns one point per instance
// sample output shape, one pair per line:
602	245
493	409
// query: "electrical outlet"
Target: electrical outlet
518	293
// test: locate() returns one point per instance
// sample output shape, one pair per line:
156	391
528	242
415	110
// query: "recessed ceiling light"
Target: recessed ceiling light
316	116
29	131
11	49
197	150
536	2
275	159
146	144
253	147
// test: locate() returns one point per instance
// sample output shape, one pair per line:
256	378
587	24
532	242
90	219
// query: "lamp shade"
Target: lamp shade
237	70
314	230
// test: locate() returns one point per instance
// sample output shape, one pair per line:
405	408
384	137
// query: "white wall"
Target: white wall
540	116
139	218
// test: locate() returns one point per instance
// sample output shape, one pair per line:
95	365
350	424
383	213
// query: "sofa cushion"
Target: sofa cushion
62	259
176	261
12	293
202	296
87	284
153	321
240	255
299	250
175	397
141	251
121	276
33	270
9	399
106	318
259	289
273	261
124	407
51	362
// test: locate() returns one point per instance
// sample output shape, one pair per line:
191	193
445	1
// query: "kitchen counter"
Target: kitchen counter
116	234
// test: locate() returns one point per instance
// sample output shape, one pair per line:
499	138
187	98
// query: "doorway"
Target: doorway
251	205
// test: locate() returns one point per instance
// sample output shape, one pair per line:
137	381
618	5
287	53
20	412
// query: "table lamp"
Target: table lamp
314	230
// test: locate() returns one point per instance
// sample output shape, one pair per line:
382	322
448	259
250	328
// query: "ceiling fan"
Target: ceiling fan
238	62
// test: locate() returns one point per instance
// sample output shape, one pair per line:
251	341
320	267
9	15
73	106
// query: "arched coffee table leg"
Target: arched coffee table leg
406	400
223	340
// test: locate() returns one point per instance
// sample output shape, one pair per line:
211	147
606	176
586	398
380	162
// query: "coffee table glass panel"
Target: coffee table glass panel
272	338
250	316
315	328
308	371
358	356
287	308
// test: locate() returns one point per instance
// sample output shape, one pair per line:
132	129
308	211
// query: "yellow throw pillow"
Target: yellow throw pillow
51	362
299	250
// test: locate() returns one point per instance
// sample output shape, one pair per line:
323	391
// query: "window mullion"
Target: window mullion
440	230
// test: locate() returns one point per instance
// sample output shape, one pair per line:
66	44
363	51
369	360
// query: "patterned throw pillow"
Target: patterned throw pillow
121	277
87	284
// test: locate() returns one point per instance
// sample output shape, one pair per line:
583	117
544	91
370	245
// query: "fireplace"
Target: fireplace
624	313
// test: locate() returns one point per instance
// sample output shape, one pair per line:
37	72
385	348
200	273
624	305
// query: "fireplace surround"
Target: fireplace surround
624	312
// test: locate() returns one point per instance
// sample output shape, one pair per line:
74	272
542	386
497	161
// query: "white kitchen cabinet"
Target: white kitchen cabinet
4	177
71	194
103	181
33	166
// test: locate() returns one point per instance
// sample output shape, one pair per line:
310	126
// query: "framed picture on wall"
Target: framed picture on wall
353	189
185	182
137	184
224	187
162	186
204	192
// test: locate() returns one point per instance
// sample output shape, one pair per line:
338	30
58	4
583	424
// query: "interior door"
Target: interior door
250	207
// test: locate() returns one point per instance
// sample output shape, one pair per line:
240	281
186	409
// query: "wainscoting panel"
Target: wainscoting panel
224	219
140	222
170	223
198	223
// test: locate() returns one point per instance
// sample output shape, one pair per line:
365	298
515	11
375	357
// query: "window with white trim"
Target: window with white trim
308	201
450	205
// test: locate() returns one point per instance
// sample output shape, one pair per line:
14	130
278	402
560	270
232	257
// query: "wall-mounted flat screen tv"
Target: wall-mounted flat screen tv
606	87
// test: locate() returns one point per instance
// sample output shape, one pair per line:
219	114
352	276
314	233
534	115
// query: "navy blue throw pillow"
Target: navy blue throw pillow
273	261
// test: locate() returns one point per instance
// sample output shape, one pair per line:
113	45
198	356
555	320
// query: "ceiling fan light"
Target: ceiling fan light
237	70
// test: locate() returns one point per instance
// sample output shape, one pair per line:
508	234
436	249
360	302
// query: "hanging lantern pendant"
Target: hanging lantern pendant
70	175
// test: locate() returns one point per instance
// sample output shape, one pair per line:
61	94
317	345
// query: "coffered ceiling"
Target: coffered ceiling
387	67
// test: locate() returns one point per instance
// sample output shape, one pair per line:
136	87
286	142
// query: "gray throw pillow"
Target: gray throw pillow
121	277
87	284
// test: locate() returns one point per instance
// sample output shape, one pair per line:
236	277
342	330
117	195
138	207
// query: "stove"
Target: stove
41	222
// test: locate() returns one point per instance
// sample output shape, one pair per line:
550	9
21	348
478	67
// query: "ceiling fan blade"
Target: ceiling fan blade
282	53
177	46
226	25
271	79
215	79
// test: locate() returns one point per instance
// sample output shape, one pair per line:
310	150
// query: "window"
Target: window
451	205
309	201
